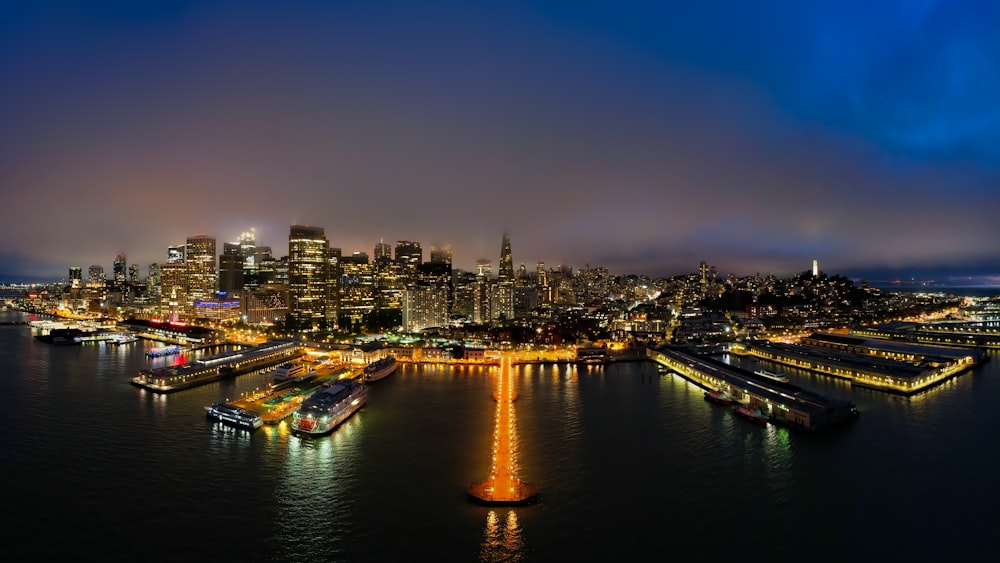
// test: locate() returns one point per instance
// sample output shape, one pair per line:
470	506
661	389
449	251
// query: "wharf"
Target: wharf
897	367
782	402
201	372
279	401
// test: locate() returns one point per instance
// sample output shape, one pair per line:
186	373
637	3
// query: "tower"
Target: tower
504	299
201	270
308	274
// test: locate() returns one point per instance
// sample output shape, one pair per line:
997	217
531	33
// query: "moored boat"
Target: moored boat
771	375
163	351
719	396
234	416
751	413
379	369
291	370
330	405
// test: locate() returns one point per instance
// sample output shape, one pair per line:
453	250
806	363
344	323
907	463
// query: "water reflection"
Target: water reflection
502	541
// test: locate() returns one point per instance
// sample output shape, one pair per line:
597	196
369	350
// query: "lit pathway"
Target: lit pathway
503	486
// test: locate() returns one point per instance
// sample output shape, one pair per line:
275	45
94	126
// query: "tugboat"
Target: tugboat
752	413
719	396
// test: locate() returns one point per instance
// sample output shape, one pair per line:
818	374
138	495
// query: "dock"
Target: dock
784	403
202	372
279	401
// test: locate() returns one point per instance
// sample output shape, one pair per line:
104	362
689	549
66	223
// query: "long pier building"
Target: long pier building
201	372
887	365
782	402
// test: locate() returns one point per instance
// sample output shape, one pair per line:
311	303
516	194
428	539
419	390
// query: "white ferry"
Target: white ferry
291	370
771	375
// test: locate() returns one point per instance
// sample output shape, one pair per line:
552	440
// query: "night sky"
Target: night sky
640	136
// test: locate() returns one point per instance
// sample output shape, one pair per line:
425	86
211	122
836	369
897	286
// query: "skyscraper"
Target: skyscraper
441	253
231	268
409	255
503	301
201	268
248	251
75	276
308	276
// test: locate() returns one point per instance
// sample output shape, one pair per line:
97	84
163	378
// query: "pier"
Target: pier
278	402
201	372
503	487
781	402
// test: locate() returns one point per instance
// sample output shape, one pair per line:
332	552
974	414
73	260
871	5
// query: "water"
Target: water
631	465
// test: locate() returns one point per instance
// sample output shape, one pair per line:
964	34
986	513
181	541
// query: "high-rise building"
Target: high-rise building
441	253
75	276
120	273
231	268
308	276
175	254
248	250
424	306
358	290
482	297
383	252
409	255
200	259
153	282
173	288
503	300
95	276
438	275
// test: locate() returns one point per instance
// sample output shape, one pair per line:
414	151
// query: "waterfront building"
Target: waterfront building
308	269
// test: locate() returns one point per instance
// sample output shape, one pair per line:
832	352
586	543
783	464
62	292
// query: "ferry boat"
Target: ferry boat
123	338
163	351
771	375
719	396
751	413
234	416
289	371
329	406
379	369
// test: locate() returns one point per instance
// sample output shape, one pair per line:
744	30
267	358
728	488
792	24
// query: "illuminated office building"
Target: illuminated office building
308	276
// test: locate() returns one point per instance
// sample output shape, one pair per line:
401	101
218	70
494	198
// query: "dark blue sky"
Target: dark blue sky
641	136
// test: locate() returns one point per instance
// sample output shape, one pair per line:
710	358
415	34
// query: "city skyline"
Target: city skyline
641	138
